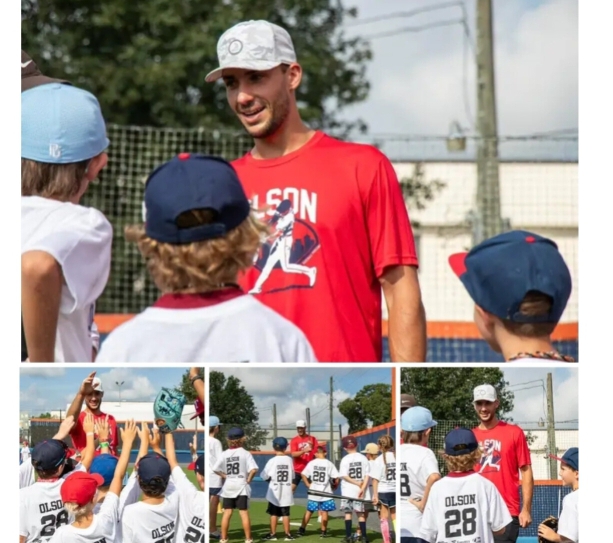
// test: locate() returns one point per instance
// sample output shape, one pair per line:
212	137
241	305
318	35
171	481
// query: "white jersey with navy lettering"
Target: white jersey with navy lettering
384	471
357	467
236	464
417	464
103	528
79	239
321	472
143	522
26	473
279	472
463	507
191	509
215	451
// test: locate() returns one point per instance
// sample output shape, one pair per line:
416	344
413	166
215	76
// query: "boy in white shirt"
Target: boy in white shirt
463	506
199	235
319	474
154	518
65	247
354	472
215	481
80	494
279	472
568	523
237	468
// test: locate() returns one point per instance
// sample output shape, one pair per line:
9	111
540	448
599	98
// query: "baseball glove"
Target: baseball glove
550	522
167	409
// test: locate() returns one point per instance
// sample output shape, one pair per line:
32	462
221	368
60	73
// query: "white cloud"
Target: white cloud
32	398
135	387
37	371
270	382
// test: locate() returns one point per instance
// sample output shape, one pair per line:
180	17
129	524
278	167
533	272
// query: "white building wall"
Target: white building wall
540	197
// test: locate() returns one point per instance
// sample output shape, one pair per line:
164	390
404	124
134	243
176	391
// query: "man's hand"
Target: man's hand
64	429
86	385
525	519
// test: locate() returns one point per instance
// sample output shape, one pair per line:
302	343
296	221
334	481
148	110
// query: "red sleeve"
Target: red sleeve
389	228
523	451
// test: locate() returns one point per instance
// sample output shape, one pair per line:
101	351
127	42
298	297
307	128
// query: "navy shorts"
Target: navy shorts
327	505
388	499
276	511
240	502
214	491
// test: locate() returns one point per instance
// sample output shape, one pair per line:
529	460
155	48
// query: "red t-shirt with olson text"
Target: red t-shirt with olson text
338	220
299	443
505	451
79	439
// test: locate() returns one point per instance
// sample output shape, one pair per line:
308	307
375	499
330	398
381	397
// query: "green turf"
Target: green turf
260	525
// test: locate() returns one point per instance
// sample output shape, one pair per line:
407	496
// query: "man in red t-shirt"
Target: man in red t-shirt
302	448
505	455
340	232
91	392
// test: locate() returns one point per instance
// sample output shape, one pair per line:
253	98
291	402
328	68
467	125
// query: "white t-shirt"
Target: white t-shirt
568	524
215	451
41	510
241	329
417	464
236	464
356	466
372	466
79	238
386	475
191	509
321	472
148	523
103	528
26	473
279	472
25	453
467	507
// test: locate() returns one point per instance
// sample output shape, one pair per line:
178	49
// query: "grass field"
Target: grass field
260	525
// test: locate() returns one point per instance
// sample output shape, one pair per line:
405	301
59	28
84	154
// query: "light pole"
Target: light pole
119	388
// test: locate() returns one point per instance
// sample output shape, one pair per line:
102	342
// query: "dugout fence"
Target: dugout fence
538	192
548	491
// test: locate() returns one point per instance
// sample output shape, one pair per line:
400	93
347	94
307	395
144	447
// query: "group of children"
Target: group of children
463	506
367	483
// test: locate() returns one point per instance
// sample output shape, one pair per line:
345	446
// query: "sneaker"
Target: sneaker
289	537
215	535
301	532
270	537
323	534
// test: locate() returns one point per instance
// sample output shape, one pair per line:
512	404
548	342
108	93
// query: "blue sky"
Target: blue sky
294	389
46	389
421	81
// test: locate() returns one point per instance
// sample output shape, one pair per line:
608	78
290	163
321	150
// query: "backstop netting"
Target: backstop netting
534	188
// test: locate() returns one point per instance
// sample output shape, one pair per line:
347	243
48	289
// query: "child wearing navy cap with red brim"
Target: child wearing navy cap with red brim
520	285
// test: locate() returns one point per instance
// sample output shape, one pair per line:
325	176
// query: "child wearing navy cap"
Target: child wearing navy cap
568	524
520	285
199	236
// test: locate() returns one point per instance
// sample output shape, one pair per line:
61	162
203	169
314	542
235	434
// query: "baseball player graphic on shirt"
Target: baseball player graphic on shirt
491	455
281	249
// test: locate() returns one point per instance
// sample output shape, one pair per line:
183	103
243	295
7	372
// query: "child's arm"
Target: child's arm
197	382
90	449
375	491
171	455
421	504
128	435
251	475
155	440
143	434
41	292
305	480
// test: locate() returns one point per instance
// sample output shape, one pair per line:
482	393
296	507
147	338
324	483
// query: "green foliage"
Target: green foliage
448	392
186	386
371	404
146	60
44	416
234	406
417	191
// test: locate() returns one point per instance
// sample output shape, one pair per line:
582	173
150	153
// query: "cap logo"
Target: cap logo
235	47
55	151
25	64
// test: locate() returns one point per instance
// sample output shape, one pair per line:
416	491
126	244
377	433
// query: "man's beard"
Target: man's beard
279	113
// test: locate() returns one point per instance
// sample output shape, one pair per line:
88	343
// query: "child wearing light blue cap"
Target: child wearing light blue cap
418	471
65	247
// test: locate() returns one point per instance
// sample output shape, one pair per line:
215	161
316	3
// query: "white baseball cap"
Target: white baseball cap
97	384
253	45
485	392
300	424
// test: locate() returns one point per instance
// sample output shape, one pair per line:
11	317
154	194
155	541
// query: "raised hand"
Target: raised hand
86	385
88	423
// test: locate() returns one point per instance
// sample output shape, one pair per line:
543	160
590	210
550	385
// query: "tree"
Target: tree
373	403
44	416
186	386
448	392
234	406
417	191
146	61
